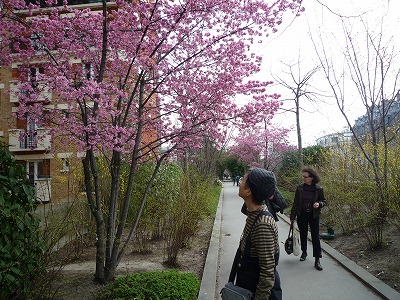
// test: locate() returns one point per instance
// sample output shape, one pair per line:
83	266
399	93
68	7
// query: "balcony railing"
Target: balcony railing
23	140
43	3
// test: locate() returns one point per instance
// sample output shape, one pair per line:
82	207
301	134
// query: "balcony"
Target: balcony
42	189
29	140
44	95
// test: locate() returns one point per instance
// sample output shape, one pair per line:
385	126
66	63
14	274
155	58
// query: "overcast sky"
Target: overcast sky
293	43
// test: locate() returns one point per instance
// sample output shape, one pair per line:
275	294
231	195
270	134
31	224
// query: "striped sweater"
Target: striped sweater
264	243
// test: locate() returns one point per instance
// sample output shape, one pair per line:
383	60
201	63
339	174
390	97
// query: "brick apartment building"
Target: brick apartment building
53	170
54	167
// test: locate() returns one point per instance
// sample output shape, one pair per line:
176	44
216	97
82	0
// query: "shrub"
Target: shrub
21	248
289	197
188	209
156	285
213	201
159	202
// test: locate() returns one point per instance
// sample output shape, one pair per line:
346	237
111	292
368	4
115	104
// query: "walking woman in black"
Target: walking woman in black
308	202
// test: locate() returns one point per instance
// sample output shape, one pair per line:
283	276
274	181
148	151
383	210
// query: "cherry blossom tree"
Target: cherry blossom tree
127	78
262	147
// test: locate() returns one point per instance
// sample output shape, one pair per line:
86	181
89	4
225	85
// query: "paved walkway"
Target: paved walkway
340	279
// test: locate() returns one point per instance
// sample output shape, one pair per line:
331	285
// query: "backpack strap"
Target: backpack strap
248	238
239	253
247	246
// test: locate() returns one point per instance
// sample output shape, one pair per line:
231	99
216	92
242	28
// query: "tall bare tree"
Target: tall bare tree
370	69
300	87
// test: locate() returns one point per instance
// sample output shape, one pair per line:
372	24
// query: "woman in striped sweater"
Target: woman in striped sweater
258	272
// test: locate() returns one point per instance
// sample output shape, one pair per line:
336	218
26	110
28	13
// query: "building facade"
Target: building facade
54	166
382	117
53	169
336	139
52	172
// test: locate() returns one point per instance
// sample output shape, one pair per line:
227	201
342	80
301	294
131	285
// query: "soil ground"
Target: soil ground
76	278
382	263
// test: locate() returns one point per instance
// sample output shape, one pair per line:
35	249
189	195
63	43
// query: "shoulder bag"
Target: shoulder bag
234	292
289	240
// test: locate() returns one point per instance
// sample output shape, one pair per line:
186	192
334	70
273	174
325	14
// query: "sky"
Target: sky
292	43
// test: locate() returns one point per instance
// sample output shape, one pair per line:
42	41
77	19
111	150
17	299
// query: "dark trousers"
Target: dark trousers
303	221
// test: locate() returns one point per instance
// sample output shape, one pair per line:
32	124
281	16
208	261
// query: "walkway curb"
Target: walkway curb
209	279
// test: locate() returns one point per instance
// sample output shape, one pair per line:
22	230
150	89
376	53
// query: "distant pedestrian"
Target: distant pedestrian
255	262
237	180
309	199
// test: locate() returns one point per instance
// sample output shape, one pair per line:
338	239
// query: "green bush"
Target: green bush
21	248
213	200
289	197
156	285
166	186
176	204
194	203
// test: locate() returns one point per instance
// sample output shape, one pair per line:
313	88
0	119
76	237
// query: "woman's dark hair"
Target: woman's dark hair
262	184
312	173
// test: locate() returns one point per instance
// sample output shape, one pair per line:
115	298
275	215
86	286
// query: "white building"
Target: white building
336	139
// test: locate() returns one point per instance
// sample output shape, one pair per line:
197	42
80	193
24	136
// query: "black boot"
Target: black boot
303	256
317	264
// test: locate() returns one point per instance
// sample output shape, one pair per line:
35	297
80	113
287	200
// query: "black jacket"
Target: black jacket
298	202
276	204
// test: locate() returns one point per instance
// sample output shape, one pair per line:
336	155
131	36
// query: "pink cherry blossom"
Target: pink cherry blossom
261	147
132	76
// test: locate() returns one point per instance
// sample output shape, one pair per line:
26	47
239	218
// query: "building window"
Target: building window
44	168
35	39
34	75
87	71
65	159
65	113
66	165
83	71
28	135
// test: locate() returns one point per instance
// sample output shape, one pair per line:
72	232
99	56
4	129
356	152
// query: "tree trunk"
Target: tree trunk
95	207
299	142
